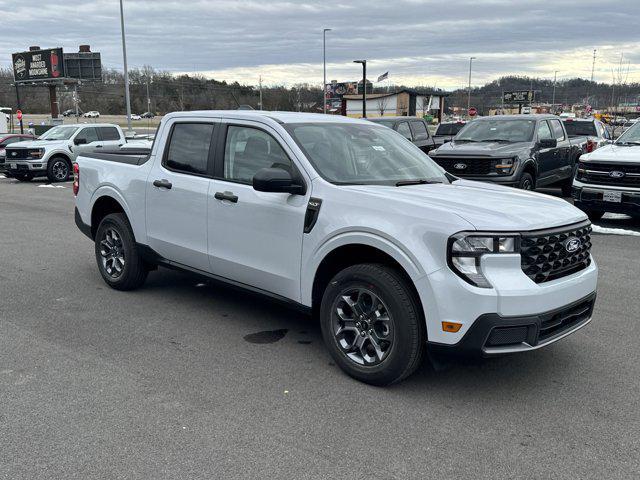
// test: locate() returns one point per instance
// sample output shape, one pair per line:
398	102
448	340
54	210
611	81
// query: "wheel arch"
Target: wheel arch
352	251
106	202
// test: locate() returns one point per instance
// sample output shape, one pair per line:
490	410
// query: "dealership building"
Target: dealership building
405	102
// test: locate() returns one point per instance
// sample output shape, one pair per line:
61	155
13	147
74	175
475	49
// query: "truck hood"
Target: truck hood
41	144
490	149
614	153
486	206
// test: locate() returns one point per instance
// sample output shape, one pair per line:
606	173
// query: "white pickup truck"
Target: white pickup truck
53	153
350	221
608	179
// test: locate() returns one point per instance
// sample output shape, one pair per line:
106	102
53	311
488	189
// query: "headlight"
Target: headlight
36	153
504	166
467	248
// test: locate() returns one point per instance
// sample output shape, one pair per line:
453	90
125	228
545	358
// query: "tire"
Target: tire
526	182
594	215
115	245
23	177
58	169
376	291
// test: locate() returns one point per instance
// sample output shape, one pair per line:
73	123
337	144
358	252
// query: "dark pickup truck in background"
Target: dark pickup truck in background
446	131
413	129
587	133
524	151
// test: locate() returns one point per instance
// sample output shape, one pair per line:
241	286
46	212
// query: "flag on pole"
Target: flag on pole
384	76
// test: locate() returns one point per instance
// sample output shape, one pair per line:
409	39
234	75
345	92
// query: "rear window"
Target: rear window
419	131
449	128
578	129
109	133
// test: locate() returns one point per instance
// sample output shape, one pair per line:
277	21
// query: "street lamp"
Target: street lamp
324	69
553	101
364	86
471	59
126	71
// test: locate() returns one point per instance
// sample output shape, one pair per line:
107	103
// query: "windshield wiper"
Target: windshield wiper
464	140
497	140
417	181
627	143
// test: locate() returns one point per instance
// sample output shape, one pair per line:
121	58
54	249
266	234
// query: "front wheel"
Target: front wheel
118	259
372	324
526	182
58	170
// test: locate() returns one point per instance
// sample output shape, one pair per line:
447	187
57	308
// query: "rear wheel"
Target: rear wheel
372	324
118	259
58	169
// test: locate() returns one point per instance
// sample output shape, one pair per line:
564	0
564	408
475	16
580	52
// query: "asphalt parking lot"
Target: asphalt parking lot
176	380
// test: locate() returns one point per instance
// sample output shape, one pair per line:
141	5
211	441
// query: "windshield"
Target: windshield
345	153
497	130
386	123
630	136
578	129
449	128
58	133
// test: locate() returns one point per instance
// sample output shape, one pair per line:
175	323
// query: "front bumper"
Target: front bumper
590	197
26	166
514	300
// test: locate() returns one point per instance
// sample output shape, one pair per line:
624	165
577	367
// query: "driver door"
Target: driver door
86	140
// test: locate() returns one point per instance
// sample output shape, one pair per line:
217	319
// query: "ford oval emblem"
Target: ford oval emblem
460	166
572	244
616	174
13	154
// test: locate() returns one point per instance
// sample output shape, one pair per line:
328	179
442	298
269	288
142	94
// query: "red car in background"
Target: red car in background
8	138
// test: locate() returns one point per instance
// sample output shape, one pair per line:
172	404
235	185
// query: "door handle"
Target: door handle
98	146
226	196
162	184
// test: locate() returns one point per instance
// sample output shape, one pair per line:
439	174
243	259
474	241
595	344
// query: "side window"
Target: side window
89	134
248	150
558	132
109	133
419	131
189	145
403	129
544	132
10	140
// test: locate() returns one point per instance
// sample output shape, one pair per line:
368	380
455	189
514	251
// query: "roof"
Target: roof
397	118
279	117
533	116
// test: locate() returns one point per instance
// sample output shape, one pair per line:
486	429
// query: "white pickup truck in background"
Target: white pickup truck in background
349	220
54	152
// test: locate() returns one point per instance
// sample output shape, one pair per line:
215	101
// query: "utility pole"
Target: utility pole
148	96
260	82
471	59
364	86
593	65
324	69
555	76
127	99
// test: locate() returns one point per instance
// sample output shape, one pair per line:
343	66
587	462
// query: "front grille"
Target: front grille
20	153
545	255
473	166
598	173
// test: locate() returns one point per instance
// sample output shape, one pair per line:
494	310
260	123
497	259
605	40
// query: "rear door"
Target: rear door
177	193
255	238
110	137
564	161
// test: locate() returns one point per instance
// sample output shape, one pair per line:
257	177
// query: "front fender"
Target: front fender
370	238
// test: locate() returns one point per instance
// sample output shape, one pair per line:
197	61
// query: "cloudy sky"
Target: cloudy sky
420	42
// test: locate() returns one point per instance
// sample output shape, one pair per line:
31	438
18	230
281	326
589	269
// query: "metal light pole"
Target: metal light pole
324	69
126	71
364	86
553	101
471	59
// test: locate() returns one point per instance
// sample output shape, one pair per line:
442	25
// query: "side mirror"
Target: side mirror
548	143
276	180
447	140
80	141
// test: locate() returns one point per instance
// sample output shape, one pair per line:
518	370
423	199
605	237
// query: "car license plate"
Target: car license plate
13	166
612	196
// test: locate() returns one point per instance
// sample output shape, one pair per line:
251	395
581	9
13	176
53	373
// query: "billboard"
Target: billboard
38	65
337	90
518	96
83	65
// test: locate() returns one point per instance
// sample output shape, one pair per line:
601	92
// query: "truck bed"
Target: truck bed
130	157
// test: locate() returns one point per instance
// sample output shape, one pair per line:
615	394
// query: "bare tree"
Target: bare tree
382	104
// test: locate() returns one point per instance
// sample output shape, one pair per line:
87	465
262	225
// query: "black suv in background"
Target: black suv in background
525	151
446	131
412	128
